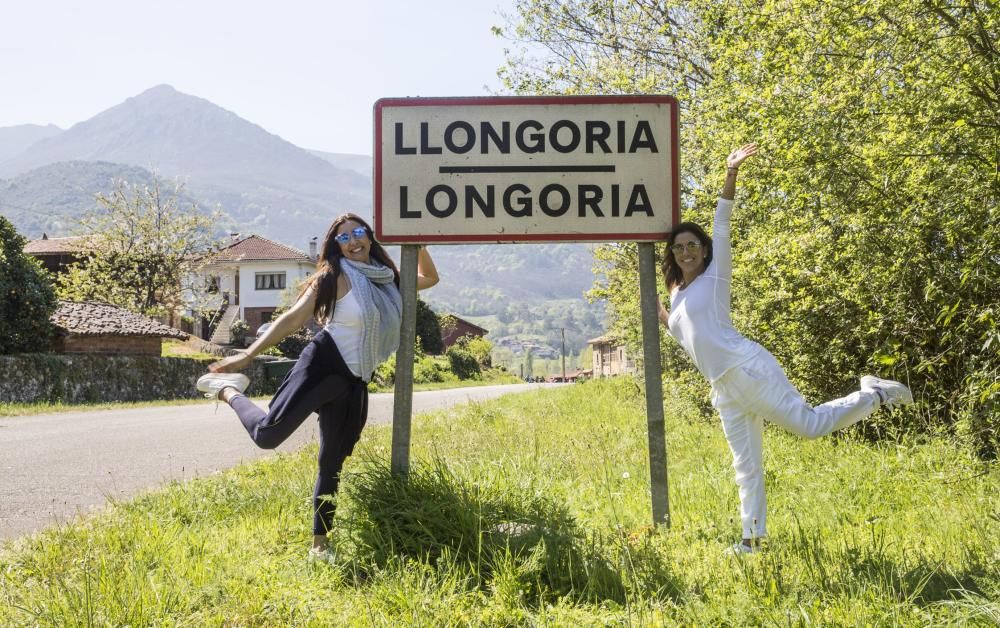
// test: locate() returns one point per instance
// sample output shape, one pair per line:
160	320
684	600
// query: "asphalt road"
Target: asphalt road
57	466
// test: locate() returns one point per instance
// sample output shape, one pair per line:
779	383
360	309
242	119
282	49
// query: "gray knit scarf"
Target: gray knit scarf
381	311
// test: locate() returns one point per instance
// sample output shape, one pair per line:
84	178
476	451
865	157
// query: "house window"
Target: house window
269	281
212	284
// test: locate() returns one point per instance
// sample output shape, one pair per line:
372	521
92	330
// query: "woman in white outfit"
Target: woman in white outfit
748	384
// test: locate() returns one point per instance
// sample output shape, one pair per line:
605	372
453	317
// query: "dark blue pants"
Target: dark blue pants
319	382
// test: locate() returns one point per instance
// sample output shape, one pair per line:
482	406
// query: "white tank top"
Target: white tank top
346	329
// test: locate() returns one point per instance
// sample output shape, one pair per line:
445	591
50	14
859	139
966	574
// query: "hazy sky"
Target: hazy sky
308	71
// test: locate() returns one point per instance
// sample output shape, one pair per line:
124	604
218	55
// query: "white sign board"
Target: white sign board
525	169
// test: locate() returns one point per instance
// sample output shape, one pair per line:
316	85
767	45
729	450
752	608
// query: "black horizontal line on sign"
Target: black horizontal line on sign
498	169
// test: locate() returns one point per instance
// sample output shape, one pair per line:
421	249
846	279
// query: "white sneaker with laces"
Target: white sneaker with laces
892	393
212	383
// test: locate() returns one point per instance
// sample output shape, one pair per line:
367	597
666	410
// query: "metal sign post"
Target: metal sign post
654	385
402	401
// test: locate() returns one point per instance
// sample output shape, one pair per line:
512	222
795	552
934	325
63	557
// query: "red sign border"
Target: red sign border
455	101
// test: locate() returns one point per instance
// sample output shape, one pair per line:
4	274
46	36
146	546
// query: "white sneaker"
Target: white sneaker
212	383
318	556
892	393
739	548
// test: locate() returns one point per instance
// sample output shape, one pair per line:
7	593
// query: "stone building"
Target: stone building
611	357
89	327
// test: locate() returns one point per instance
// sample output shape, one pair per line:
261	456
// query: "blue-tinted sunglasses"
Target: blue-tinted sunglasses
357	233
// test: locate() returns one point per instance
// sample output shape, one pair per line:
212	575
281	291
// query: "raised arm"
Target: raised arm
722	255
427	274
733	162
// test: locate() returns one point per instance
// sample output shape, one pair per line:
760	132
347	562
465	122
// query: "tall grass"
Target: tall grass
534	509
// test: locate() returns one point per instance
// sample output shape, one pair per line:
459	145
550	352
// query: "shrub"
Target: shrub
238	331
27	298
292	345
480	348
385	373
428	369
463	363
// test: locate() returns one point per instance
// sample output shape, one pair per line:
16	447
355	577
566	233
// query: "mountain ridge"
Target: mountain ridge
269	186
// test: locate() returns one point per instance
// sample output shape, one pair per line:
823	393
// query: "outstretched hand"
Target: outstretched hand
741	154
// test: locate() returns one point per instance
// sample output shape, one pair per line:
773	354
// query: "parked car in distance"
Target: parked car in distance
263	329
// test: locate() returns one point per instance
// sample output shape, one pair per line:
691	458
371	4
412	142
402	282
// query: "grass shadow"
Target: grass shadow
912	577
511	540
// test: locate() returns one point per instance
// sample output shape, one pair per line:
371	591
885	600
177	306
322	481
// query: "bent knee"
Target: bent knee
265	441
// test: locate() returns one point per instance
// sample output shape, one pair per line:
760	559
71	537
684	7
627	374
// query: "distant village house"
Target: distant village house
611	357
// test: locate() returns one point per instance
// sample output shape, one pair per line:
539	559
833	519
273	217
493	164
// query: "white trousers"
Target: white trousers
757	390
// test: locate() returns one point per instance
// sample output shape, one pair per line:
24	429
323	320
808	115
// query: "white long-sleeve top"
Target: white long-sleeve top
699	313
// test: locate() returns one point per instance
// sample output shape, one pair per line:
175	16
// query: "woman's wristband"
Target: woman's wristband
732	170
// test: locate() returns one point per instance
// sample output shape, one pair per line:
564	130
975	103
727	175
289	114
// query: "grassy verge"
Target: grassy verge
495	379
534	509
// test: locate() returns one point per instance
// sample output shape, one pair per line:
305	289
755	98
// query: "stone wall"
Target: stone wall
83	378
110	344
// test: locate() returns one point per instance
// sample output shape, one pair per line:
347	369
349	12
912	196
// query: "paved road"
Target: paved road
55	466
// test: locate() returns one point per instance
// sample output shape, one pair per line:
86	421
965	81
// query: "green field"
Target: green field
534	509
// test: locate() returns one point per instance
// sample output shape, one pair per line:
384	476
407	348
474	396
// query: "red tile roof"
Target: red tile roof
88	318
257	248
55	245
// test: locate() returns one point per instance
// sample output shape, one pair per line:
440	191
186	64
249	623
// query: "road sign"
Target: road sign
525	169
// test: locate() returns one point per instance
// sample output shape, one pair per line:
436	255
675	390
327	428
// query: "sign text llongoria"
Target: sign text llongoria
525	169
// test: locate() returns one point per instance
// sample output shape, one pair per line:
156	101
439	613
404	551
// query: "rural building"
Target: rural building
611	357
248	278
55	254
451	333
90	327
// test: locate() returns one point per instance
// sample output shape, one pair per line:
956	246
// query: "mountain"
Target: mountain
263	182
362	164
51	199
16	139
268	186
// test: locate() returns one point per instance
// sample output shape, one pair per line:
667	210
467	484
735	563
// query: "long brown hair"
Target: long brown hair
324	280
672	274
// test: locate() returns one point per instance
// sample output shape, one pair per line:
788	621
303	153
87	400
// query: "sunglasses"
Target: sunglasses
356	233
680	248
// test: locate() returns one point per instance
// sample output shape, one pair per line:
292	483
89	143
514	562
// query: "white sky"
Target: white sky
308	71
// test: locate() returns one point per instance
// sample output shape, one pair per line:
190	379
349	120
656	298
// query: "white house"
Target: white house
249	278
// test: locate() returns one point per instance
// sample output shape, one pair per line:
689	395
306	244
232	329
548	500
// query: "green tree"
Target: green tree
142	251
428	329
529	363
27	298
866	235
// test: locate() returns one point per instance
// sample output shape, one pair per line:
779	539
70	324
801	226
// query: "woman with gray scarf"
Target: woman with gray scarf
355	295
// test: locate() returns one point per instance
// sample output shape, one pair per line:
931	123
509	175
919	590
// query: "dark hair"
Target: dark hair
672	274
324	280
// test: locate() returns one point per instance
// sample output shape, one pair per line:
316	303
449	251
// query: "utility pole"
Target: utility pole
564	354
